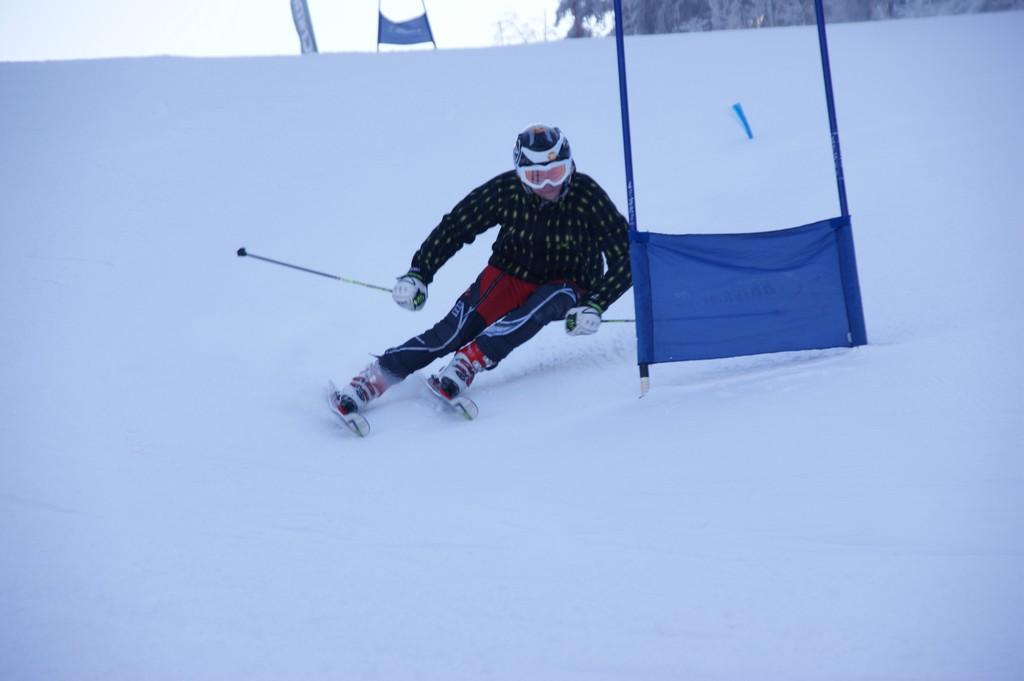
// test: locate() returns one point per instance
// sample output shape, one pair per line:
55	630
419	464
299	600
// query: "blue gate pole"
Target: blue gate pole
627	148
844	236
826	71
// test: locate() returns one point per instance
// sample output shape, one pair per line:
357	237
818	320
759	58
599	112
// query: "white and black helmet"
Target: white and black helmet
542	157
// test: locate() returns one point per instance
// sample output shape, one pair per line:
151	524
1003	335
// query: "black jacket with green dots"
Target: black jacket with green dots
540	240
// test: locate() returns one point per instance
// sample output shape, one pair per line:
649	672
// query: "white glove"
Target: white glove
410	292
583	320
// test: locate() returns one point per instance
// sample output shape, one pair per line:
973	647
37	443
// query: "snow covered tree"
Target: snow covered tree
643	17
665	16
588	16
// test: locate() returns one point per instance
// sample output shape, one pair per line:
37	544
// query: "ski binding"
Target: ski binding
354	421
460	405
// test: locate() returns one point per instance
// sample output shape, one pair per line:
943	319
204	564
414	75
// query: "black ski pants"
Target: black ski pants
500	312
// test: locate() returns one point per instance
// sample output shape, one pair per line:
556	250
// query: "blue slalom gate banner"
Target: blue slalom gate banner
304	26
411	32
703	296
706	296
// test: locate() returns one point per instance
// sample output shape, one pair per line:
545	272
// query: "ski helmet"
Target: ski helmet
542	157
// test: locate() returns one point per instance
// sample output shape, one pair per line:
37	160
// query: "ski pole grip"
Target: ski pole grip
242	253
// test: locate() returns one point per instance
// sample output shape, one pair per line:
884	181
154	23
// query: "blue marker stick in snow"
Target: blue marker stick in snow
738	110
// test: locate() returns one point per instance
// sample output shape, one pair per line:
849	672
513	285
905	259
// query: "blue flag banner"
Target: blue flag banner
708	296
702	296
304	26
409	32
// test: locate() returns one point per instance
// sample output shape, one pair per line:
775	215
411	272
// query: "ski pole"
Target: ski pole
242	253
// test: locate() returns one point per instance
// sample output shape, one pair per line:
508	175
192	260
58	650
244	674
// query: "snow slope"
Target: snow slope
176	502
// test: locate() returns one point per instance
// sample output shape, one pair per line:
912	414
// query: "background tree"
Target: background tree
645	17
589	17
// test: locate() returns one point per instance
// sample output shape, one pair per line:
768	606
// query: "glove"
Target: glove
410	292
583	320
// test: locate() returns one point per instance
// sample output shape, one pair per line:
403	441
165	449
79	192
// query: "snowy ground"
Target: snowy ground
176	502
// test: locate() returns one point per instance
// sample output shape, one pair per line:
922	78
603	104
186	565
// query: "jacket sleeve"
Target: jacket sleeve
613	237
470	217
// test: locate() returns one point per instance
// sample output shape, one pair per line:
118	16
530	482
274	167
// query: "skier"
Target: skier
546	264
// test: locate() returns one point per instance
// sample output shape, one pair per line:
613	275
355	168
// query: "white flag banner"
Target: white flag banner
304	25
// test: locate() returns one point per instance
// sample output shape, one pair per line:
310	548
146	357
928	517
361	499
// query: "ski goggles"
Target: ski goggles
549	174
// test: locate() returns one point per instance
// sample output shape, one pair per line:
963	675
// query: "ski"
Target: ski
460	405
354	421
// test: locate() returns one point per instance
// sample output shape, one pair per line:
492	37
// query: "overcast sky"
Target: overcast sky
81	29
